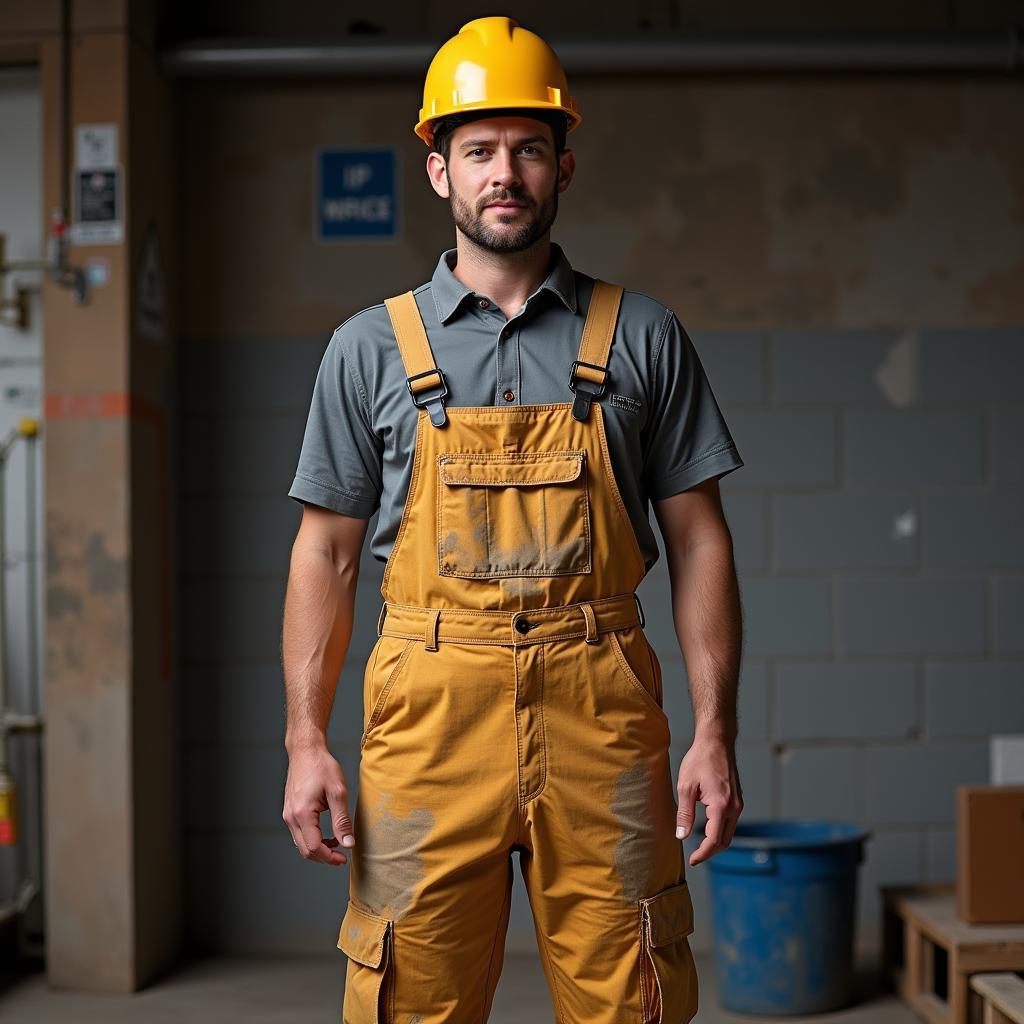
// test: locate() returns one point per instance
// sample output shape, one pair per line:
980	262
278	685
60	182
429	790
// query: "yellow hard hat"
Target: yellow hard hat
493	63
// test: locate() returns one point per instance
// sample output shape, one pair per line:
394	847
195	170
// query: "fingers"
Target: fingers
719	829
710	846
686	812
730	829
312	845
341	824
312	792
723	802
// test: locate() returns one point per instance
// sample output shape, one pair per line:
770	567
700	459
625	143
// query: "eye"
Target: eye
534	148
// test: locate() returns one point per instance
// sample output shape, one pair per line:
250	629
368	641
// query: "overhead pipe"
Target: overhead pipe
362	56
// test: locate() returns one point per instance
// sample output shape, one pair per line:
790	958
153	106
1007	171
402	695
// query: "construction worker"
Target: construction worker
511	419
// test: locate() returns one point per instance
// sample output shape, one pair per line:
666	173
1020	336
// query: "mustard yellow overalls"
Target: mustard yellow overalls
513	701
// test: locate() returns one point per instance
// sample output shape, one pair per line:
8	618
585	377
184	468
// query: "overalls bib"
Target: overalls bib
512	701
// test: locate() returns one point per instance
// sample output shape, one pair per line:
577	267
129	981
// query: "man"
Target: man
511	419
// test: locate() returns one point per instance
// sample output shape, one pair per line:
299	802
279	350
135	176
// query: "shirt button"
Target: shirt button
509	396
483	303
507	333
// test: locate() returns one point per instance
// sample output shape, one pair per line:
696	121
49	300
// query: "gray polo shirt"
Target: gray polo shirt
665	430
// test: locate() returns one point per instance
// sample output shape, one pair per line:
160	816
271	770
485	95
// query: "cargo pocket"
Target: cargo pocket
516	514
668	976
367	942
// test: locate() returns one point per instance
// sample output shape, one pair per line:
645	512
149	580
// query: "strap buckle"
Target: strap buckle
585	390
434	403
640	609
380	618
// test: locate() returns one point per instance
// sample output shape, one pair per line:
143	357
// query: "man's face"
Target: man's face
503	181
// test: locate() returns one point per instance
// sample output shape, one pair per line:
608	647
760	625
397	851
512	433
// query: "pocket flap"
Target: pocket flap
362	936
669	914
516	468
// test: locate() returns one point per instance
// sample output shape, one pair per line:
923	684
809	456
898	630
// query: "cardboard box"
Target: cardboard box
990	854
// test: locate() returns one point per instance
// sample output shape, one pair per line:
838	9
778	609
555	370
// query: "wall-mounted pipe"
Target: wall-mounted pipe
628	52
57	262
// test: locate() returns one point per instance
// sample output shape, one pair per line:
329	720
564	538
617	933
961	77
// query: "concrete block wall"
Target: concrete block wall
875	517
244	406
877	535
878	538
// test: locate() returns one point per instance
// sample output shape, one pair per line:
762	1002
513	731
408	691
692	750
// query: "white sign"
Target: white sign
95	146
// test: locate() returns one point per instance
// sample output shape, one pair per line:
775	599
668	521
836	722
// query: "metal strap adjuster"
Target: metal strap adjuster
639	608
380	618
433	402
585	390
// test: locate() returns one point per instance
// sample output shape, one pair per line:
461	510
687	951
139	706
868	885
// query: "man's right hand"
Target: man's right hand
316	784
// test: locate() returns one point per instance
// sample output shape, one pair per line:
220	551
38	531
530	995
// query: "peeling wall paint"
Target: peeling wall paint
741	202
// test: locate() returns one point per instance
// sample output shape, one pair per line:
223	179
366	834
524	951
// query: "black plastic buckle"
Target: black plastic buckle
585	390
434	403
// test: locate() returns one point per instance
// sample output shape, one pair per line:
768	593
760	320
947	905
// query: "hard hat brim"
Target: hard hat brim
424	127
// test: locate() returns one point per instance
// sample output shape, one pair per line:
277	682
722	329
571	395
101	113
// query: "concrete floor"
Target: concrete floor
282	990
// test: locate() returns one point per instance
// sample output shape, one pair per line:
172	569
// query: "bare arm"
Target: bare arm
708	621
318	613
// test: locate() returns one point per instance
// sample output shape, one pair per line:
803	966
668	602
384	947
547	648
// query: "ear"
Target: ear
566	169
436	174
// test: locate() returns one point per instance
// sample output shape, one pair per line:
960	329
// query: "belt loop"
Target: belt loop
430	637
639	608
380	618
588	614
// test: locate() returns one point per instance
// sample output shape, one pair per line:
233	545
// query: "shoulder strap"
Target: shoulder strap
589	372
425	381
587	377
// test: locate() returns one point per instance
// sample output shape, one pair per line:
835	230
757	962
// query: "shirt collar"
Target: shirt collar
449	291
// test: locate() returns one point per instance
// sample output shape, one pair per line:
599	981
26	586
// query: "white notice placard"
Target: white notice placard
95	146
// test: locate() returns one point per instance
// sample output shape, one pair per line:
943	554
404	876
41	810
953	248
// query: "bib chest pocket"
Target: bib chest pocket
516	514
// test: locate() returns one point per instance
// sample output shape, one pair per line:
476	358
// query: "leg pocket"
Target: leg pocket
389	661
668	975
367	942
634	653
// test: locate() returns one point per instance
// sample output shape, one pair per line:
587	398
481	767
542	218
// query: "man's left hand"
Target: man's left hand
708	773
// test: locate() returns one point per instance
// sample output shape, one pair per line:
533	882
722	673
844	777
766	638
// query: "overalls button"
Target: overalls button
509	396
524	625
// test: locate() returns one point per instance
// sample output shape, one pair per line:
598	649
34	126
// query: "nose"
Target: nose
504	170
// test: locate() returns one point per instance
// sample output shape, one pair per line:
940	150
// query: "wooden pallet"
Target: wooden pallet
929	954
1002	997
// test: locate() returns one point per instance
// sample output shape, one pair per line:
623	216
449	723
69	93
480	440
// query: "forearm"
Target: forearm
318	613
708	620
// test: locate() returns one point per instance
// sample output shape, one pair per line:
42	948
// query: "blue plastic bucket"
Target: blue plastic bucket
784	904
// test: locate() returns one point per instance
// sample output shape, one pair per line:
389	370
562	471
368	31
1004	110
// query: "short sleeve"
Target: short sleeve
340	462
687	438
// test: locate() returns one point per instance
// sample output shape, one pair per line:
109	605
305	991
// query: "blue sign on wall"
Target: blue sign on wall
356	194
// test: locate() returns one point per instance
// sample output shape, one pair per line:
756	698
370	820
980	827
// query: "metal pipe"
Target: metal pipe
61	271
65	112
628	52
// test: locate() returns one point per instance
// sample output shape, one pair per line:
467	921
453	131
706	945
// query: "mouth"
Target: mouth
505	206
